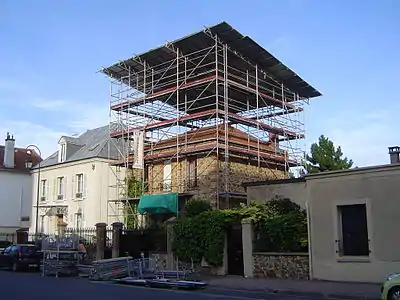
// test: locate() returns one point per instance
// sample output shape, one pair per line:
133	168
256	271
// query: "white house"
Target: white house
15	186
75	182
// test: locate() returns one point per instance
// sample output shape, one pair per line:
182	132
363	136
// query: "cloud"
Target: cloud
44	121
27	133
364	137
49	105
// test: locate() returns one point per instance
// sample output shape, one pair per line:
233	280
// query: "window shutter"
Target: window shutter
55	189
47	195
84	185
64	187
73	188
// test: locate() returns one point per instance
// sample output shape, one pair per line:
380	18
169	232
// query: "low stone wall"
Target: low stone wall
161	262
281	265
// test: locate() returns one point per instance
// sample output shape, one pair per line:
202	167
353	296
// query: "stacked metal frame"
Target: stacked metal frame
218	79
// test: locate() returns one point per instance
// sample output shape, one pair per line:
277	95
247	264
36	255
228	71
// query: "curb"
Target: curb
298	293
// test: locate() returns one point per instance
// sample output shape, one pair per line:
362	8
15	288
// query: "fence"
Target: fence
136	242
88	236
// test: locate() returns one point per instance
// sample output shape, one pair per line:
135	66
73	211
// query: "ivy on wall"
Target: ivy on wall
201	234
135	188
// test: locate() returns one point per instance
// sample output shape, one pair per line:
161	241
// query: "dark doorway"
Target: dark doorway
235	250
354	230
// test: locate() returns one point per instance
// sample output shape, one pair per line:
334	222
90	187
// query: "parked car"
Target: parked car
20	256
390	289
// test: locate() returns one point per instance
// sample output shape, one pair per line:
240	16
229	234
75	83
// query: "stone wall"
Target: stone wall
242	172
281	265
160	261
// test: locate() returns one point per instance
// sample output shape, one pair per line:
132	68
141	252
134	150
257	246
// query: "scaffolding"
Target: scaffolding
216	81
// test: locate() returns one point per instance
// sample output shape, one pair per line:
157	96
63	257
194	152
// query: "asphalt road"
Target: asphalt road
20	286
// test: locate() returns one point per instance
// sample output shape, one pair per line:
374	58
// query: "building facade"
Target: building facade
352	220
15	186
74	183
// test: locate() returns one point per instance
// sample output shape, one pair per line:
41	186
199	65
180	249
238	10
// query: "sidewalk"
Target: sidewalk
339	290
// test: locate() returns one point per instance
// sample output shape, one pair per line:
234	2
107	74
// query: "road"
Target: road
34	287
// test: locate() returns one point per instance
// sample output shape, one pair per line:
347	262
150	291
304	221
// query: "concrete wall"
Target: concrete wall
15	200
294	190
378	189
94	205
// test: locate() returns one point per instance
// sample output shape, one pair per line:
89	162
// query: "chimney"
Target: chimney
9	154
394	153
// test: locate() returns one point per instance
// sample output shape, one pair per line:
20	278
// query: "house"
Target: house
197	173
353	219
74	182
209	110
15	186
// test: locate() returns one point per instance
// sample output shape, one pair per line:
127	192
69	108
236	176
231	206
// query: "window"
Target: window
60	188
353	230
192	172
79	185
43	189
167	176
78	220
63	152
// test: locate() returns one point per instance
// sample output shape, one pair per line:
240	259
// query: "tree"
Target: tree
326	157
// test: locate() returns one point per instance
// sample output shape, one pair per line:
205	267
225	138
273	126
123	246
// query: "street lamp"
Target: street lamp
29	165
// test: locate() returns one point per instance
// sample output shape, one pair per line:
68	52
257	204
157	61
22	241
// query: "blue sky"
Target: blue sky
50	52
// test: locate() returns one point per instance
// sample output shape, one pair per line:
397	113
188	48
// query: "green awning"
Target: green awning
158	204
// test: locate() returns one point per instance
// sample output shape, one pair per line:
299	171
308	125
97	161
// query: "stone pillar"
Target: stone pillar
61	228
170	238
101	240
116	237
247	240
22	237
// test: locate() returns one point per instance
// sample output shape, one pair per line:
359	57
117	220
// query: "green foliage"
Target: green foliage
283	233
202	235
326	157
135	189
196	206
130	210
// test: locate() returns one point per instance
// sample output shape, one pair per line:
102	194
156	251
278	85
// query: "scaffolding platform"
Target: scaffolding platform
216	95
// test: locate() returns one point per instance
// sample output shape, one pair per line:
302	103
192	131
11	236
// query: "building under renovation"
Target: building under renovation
203	114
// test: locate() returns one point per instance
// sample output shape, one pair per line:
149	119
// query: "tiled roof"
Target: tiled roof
20	157
93	143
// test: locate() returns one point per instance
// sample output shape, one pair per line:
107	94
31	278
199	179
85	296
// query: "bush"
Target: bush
196	206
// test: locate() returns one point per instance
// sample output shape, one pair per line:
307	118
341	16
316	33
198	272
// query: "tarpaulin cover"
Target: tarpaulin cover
158	204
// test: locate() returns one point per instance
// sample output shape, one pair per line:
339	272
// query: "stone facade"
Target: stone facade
210	177
240	172
281	266
160	261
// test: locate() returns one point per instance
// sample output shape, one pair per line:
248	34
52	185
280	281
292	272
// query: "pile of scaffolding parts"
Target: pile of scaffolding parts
60	256
142	272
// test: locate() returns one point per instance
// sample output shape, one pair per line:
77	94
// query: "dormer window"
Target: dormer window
63	152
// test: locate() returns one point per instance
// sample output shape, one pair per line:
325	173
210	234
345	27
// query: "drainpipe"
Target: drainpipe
310	265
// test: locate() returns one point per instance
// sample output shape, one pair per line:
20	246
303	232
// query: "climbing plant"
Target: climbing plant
195	207
135	188
202	235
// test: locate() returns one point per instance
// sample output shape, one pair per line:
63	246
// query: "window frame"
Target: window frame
338	229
